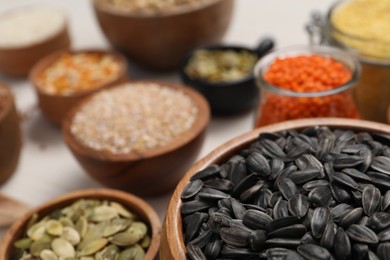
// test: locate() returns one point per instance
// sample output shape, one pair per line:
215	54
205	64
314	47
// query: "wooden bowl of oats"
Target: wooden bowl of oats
157	33
27	35
86	223
140	136
63	78
10	134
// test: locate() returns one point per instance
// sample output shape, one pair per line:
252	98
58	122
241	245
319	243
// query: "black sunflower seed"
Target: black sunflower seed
320	219
381	164
310	251
362	234
192	188
342	245
298	205
208	172
371	199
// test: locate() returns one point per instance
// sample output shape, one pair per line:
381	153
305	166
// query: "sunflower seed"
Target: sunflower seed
340	211
245	184
257	240
235	236
238	208
381	164
320	219
277	167
383	250
219	184
192	188
195	253
229	252
257	163
342	245
352	217
280	209
320	197
385	201
288	188
362	234
310	251
262	200
194	223
384	235
298	205
379	220
344	179
315	184
293	231
209	194
256	219
328	237
358	175
371	199
210	171
361	251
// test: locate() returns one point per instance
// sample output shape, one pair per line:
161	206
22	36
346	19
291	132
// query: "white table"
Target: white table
48	169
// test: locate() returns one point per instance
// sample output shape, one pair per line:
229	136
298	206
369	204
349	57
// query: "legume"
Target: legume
73	73
148	5
87	229
305	74
220	65
134	117
367	19
29	25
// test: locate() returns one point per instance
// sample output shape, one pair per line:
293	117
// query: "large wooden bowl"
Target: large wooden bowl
161	40
55	107
172	245
18	61
10	136
150	172
131	202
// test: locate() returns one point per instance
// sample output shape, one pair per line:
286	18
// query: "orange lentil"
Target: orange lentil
73	73
305	74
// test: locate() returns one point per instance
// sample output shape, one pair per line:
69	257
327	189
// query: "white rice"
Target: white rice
29	25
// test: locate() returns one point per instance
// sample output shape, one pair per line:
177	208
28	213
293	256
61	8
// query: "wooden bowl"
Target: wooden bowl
55	107
18	61
10	136
160	40
145	173
172	245
131	202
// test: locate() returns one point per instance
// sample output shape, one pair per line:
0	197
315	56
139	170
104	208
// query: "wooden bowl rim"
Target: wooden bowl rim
49	38
151	216
8	103
178	10
49	59
173	221
199	125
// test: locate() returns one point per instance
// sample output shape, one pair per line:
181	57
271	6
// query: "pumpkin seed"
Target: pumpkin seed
71	235
54	227
103	213
92	247
63	248
48	255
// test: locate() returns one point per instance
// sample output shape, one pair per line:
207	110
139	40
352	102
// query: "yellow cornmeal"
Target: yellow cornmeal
367	19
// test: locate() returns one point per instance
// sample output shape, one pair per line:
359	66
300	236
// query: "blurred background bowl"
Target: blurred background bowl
160	40
130	202
10	134
149	172
55	106
17	60
228	97
172	243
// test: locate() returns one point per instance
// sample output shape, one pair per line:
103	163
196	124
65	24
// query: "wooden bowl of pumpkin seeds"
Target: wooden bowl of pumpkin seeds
86	224
302	189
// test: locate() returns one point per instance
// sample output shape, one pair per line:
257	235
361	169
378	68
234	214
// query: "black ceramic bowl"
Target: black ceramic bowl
227	97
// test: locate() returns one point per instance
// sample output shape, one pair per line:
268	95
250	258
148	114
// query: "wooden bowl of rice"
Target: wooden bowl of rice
157	33
27	35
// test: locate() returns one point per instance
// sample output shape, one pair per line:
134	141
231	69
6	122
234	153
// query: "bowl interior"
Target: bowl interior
131	202
172	230
199	125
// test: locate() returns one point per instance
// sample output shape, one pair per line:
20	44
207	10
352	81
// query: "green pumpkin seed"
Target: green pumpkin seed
125	238
138	228
28	257
103	213
116	225
23	243
94	232
71	235
37	231
87	258
33	220
63	248
38	246
134	253
145	243
92	247
54	227
48	255
66	222
111	252
82	226
122	211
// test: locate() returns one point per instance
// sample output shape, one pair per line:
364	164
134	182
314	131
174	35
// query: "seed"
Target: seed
213	248
320	219
342	245
310	251
208	172
63	248
303	176
379	220
193	252
256	219
257	240
362	234
288	188
296	230
71	235
258	164
352	217
328	237
383	250
371	199
381	164
320	197
235	236
48	255
93	247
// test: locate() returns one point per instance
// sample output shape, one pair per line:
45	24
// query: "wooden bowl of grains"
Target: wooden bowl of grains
140	136
95	223
157	33
63	78
301	189
10	134
27	35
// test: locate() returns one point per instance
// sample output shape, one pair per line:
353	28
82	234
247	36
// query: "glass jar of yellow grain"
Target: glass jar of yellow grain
362	27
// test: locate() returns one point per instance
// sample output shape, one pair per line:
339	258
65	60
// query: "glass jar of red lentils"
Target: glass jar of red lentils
306	82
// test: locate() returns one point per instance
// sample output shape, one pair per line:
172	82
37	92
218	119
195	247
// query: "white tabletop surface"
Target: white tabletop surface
48	169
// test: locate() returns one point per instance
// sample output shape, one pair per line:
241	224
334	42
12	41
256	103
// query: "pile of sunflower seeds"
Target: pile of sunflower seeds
314	194
86	230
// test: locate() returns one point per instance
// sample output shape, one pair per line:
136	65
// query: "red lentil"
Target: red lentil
73	73
305	74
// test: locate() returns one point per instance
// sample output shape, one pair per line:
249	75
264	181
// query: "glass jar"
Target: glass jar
373	88
278	104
